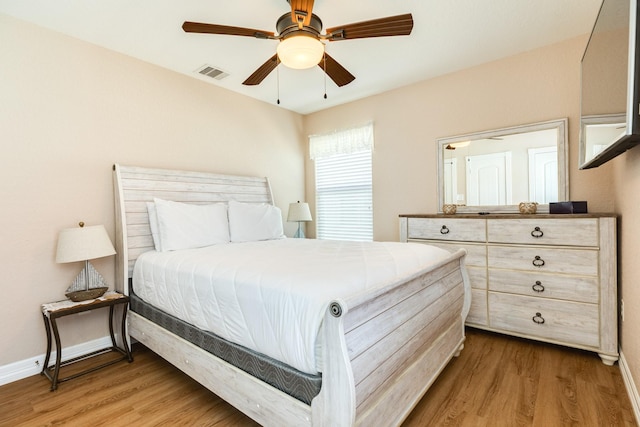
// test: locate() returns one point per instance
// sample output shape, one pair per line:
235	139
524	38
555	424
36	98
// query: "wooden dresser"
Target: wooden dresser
546	277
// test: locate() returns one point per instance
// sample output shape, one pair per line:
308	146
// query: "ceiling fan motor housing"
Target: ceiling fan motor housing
287	28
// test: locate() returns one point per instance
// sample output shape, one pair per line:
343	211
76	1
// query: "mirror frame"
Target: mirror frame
563	162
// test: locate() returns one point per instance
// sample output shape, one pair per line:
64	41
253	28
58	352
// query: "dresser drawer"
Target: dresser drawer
563	232
475	261
545	285
478	277
582	262
561	321
460	229
476	253
478	311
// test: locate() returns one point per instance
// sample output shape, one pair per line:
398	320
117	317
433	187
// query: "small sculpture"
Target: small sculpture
528	208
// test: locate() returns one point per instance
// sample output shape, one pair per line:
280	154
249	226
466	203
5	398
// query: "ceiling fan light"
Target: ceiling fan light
460	144
300	51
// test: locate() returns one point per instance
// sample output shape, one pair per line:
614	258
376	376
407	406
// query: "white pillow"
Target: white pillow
250	222
153	224
186	226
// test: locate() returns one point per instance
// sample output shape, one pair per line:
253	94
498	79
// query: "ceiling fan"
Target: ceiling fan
301	41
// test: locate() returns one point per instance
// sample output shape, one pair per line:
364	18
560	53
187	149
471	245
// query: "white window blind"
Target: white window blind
344	199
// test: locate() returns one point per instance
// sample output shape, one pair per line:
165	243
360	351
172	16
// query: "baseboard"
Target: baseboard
632	390
25	368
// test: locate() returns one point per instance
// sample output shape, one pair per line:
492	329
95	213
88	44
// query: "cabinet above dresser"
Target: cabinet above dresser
546	277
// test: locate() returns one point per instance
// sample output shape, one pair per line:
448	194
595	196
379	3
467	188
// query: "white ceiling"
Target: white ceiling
448	35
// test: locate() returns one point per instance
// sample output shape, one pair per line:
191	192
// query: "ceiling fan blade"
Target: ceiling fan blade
400	25
301	12
337	72
263	71
198	27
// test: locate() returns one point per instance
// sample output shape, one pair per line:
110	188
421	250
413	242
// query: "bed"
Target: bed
376	350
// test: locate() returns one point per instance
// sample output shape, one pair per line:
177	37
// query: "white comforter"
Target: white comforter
270	296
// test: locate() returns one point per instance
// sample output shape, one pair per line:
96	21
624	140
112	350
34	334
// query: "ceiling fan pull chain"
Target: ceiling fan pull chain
278	79
324	58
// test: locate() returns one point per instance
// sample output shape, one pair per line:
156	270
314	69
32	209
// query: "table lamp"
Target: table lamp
82	244
299	212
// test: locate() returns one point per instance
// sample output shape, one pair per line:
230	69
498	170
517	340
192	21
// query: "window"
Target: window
344	199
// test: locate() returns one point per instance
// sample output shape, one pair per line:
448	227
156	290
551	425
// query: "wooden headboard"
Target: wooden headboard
135	186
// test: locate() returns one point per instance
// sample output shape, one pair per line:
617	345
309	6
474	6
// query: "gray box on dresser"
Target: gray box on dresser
546	277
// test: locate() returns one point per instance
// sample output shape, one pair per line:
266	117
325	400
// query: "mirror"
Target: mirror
598	132
493	171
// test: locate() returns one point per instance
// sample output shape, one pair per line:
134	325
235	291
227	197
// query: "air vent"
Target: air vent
213	72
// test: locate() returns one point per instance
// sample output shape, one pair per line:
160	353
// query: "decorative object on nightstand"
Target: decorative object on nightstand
83	244
299	212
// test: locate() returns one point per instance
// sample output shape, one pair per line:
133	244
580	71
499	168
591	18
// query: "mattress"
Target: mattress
300	385
271	296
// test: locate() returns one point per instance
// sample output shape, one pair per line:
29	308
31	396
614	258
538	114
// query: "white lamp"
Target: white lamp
300	51
82	244
299	212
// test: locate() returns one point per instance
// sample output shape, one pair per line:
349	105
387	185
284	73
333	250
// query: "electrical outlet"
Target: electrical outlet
622	310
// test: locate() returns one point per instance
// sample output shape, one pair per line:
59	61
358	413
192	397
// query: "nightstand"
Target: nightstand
54	310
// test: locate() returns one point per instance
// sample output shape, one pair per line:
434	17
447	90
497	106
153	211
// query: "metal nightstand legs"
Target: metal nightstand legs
50	324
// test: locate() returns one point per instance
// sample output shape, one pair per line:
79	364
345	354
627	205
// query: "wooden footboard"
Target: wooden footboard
396	344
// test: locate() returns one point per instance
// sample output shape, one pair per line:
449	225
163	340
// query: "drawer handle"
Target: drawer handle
537	233
538	262
444	230
537	287
538	319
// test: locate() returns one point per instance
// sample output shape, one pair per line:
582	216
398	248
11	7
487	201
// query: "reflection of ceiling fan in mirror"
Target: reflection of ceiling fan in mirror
301	44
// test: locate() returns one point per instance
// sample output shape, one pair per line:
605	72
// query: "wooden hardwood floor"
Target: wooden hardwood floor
496	381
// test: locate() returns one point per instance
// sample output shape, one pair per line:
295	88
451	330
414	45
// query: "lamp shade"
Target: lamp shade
83	243
300	51
299	212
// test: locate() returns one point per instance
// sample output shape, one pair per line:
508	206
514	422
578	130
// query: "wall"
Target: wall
626	183
69	110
